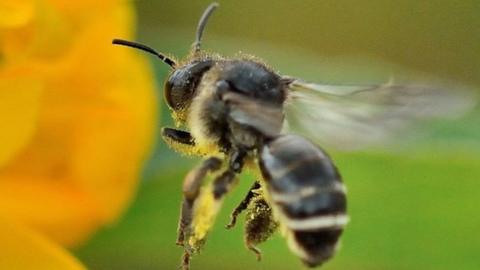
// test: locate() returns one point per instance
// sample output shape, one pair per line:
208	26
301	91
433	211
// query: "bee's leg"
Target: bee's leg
243	205
259	224
179	140
185	261
198	208
224	182
191	189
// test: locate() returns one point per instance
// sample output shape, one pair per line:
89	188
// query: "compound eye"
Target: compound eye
171	97
180	86
178	90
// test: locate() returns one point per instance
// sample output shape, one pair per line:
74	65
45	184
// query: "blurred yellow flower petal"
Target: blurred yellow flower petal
80	164
16	12
46	35
19	104
29	250
60	210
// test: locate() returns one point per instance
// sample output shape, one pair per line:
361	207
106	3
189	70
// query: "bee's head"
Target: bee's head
183	81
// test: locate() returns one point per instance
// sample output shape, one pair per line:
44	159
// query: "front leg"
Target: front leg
180	141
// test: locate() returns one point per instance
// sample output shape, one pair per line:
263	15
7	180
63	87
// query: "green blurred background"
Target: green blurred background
413	209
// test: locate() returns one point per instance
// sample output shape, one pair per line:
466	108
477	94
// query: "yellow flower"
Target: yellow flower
76	116
26	249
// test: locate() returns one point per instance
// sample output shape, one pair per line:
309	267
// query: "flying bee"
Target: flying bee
235	112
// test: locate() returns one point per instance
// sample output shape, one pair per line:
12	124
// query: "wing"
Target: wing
261	116
351	117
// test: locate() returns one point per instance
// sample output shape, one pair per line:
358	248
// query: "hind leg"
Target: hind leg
243	205
259	224
259	221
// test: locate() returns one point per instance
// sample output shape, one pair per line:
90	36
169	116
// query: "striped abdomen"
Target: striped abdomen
307	193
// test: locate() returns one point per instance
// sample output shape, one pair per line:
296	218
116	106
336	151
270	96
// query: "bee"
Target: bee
235	112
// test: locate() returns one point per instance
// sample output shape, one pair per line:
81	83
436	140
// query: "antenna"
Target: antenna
142	47
201	25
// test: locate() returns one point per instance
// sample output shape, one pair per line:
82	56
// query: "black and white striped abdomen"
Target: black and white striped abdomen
307	193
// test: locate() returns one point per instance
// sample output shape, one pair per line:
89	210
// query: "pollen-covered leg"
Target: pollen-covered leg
196	208
259	224
201	202
203	214
243	205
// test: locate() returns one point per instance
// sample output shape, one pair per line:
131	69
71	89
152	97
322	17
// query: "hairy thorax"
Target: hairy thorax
208	113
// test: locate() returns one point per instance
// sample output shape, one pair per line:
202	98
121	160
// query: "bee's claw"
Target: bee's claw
232	223
185	265
257	251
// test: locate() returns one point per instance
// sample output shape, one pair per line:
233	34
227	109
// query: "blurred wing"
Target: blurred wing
351	117
261	116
